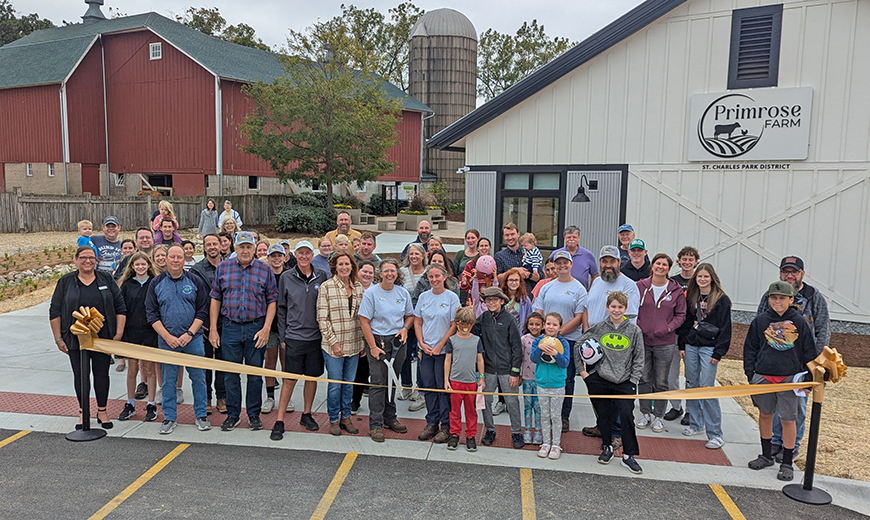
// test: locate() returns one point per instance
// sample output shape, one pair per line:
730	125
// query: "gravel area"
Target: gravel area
14	243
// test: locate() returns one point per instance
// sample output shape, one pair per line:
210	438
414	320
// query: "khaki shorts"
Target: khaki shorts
786	402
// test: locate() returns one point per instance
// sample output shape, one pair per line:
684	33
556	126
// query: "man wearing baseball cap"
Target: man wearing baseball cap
275	257
812	305
638	266
624	234
778	346
108	245
244	298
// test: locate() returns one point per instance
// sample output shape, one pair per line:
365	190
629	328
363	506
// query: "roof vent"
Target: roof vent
93	15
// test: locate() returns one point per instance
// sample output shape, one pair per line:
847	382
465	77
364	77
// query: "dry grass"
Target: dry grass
844	419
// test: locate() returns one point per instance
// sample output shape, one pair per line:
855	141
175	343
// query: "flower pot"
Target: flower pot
411	221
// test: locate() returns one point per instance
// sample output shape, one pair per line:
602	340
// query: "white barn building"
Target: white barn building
741	127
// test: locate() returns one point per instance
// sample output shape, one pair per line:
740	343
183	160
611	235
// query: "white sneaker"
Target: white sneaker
688	432
415	395
158	398
417	404
290	406
268	405
643	421
715	443
658	425
498	408
404	395
179	395
202	424
555	451
544	451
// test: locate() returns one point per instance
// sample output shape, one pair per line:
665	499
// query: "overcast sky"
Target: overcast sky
574	19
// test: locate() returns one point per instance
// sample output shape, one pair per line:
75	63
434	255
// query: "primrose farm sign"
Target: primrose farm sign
746	125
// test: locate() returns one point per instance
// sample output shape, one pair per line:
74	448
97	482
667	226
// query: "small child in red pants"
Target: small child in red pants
463	364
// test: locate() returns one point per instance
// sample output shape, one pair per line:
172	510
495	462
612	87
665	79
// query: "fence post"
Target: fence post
19	209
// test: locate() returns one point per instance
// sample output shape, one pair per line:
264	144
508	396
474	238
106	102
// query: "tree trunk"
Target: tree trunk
329	195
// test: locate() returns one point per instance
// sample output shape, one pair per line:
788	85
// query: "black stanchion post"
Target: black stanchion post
805	492
86	433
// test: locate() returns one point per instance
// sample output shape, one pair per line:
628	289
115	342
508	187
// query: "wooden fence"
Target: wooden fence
33	213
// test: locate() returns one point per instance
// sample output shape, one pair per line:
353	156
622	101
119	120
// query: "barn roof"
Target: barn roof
617	31
49	55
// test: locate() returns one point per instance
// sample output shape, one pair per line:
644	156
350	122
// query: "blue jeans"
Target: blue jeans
197	380
237	345
705	413
431	375
568	402
800	423
338	396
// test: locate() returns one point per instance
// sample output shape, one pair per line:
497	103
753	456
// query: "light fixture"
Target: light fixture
581	191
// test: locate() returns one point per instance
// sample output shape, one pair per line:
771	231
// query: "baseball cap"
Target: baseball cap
563	254
304	243
111	220
637	243
284	242
276	248
793	262
245	237
782	288
625	227
610	251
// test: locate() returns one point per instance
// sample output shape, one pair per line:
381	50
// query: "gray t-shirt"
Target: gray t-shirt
565	298
463	367
386	309
110	253
437	312
597	301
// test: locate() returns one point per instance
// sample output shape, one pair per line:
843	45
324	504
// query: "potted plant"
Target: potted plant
417	210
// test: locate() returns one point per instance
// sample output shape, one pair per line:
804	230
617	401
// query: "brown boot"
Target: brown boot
441	437
397	427
334	429
428	432
222	405
346	424
208	408
377	435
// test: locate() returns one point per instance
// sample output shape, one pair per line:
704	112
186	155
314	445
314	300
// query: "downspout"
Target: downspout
64	135
218	132
106	118
423	144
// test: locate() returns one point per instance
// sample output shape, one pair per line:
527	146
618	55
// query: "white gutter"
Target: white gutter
218	132
423	143
64	135
106	119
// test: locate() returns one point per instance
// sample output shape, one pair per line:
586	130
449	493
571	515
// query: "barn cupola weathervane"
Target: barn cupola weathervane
93	14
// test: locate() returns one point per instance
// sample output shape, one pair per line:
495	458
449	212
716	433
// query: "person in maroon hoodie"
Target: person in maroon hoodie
662	311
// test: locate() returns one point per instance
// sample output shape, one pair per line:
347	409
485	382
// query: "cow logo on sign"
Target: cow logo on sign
729	128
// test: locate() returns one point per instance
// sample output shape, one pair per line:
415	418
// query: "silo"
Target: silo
443	75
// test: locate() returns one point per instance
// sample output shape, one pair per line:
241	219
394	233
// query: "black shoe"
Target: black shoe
141	391
150	412
673	414
470	443
230	424
776	452
488	438
632	465
255	424
309	423
606	455
517	439
760	463
786	473
129	411
453	442
105	425
685	420
354	408
277	431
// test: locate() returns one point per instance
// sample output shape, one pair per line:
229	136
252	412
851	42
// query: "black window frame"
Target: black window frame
737	17
558	194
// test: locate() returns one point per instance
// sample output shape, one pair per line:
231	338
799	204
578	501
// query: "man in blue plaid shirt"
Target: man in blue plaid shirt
244	297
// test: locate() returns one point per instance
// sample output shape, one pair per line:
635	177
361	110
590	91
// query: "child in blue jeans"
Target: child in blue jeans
532	328
551	357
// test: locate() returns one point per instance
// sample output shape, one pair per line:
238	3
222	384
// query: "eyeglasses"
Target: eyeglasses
789	272
88	258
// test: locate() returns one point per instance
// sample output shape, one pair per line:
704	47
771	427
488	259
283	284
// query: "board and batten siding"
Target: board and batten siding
631	105
481	189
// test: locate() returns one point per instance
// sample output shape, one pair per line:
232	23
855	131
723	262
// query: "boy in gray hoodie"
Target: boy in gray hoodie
617	373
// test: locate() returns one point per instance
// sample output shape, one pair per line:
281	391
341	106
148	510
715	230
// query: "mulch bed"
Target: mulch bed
855	348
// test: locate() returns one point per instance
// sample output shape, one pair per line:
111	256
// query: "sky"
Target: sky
573	19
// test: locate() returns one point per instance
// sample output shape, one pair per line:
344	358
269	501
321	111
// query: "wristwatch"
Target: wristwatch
191	334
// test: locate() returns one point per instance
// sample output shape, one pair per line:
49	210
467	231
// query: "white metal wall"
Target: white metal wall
480	203
631	105
597	219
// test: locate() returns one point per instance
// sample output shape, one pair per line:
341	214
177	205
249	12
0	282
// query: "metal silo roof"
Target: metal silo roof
444	22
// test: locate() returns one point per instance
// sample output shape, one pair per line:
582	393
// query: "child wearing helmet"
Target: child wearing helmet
551	357
616	372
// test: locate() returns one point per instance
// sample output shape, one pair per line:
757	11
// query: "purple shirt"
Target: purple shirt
244	292
585	265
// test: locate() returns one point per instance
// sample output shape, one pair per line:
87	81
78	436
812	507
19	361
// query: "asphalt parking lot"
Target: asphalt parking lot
47	477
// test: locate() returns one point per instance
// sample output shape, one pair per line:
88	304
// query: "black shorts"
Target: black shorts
303	357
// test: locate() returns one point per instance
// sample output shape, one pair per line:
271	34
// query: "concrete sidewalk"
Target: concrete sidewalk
31	364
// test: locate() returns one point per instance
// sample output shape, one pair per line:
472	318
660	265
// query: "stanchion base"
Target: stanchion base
86	435
815	496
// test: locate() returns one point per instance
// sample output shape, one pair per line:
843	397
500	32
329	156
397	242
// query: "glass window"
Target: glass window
546	181
545	221
516	210
516	181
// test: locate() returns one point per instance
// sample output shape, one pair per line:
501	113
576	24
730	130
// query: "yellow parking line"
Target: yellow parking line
132	488
332	491
727	503
13	438
528	492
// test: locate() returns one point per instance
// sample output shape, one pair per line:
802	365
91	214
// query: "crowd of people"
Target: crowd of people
506	321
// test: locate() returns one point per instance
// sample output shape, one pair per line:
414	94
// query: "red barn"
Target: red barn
103	107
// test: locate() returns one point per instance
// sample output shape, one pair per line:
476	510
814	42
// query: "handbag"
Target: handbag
706	331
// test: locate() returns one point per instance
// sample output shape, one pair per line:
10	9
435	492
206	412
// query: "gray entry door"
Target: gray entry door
599	218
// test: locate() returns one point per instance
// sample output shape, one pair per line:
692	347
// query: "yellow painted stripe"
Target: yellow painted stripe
528	492
332	491
727	503
132	488
13	438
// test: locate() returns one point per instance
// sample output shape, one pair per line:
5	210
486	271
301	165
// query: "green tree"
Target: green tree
212	23
504	59
13	27
322	122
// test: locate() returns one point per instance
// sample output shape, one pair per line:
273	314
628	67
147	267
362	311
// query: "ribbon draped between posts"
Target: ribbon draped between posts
130	350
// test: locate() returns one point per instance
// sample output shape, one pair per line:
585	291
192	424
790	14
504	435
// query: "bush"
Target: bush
315	200
353	201
391	207
304	219
421	202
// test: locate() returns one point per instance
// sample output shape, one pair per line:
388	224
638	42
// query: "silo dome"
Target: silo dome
444	22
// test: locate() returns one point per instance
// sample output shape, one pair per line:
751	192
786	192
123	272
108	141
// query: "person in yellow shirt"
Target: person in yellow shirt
342	227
